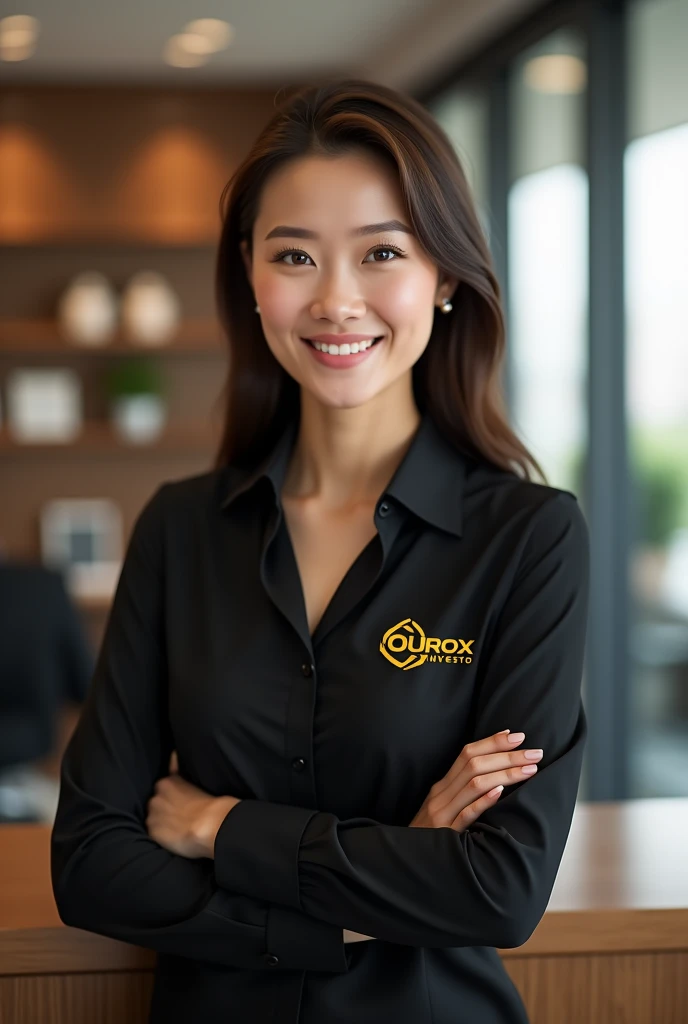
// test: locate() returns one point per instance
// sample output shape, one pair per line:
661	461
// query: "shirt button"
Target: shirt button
298	764
307	669
384	509
271	960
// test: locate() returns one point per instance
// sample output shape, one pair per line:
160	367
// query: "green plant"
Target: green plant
139	376
659	486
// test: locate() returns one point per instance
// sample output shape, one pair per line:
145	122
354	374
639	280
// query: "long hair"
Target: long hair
457	379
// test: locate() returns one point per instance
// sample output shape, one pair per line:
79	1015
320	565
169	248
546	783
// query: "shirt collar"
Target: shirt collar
429	481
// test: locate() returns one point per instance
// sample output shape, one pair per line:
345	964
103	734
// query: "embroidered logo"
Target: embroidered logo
408	638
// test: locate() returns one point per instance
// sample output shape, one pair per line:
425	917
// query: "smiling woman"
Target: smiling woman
334	625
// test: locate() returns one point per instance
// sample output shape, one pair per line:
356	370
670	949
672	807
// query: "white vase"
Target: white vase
88	310
150	309
139	418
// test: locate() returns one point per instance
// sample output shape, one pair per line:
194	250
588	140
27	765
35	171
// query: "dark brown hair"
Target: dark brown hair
457	378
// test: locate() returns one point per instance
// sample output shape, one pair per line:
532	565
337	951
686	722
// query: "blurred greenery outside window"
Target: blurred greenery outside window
656	286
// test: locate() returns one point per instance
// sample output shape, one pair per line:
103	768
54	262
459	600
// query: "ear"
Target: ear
446	287
246	256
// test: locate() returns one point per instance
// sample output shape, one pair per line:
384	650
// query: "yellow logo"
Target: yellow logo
407	636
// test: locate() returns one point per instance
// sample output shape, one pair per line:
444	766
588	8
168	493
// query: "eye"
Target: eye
398	253
279	256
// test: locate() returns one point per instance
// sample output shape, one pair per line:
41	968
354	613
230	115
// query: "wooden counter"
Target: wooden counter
612	947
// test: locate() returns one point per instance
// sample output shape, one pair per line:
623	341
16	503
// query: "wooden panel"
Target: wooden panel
76	998
631	989
129	163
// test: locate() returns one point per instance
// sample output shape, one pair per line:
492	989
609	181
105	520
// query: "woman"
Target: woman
293	777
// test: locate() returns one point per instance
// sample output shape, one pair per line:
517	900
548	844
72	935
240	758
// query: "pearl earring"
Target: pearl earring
257	309
446	306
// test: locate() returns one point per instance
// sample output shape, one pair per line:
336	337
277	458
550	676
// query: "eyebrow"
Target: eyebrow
285	231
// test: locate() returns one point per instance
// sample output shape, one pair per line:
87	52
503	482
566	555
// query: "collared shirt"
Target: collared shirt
464	615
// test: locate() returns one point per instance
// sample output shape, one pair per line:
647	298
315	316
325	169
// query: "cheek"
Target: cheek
279	300
405	299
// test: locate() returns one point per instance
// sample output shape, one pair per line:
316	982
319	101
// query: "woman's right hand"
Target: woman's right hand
468	788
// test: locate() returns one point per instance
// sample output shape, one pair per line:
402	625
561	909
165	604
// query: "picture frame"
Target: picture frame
83	538
44	405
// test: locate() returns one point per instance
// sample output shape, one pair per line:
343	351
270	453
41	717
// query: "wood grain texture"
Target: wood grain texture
650	988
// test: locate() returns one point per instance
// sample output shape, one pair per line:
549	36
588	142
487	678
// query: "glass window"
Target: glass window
463	113
656	277
548	255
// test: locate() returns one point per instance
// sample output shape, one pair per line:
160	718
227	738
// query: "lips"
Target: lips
339	339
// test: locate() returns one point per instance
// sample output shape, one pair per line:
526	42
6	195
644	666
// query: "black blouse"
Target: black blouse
466	614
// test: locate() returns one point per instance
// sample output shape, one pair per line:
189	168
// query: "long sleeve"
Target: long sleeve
490	884
108	875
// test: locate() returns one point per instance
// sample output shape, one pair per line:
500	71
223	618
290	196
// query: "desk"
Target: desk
612	947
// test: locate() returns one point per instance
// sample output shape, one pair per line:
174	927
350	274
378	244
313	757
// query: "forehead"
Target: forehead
349	190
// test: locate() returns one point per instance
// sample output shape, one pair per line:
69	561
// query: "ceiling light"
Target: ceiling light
18	34
559	73
178	56
18	29
192	43
215	33
16	52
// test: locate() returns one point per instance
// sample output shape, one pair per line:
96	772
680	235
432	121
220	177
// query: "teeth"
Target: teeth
345	349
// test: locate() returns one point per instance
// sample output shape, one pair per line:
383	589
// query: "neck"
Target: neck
344	458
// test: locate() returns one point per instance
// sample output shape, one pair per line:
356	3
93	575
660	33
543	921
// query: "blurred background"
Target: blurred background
120	125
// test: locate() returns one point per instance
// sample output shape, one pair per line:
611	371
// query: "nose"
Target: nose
338	300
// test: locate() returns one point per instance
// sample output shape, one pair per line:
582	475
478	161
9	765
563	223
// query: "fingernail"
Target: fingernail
533	755
529	769
501	733
517	737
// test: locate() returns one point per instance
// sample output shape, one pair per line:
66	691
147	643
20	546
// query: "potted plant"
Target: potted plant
136	398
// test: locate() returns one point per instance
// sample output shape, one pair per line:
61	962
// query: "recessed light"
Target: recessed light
18	29
193	43
18	34
217	34
178	56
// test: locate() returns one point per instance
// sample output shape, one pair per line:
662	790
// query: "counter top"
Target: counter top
622	885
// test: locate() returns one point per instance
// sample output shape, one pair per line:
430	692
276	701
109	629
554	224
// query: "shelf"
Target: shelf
200	336
100	439
28	239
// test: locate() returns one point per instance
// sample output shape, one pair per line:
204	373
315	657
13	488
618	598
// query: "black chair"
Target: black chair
45	660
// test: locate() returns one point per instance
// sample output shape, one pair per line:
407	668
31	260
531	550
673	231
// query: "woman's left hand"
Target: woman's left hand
183	818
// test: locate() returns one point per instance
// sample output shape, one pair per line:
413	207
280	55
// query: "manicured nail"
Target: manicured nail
517	737
533	755
529	769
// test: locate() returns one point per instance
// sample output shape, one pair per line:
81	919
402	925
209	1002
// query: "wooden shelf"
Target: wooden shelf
198	336
30	238
101	439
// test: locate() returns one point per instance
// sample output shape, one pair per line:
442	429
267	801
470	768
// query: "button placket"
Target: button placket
299	736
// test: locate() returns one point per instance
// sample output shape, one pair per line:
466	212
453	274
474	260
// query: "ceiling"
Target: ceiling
400	42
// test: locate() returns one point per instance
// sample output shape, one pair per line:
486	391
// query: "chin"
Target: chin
341	398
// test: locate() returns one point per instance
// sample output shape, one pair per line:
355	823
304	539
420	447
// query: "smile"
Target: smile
341	357
345	349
